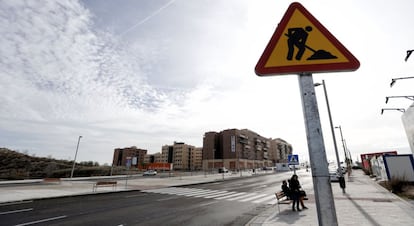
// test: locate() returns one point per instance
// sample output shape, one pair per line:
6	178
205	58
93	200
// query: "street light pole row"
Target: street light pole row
341	176
393	80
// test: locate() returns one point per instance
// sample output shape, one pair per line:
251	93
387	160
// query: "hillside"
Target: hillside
15	165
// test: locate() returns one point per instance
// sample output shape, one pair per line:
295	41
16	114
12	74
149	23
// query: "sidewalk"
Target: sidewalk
364	203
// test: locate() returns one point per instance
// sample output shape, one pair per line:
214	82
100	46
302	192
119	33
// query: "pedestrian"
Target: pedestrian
296	194
285	189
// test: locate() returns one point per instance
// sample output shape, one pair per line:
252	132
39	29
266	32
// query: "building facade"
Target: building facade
242	149
132	156
182	156
408	122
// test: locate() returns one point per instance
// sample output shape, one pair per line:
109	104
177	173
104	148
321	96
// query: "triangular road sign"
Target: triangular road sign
301	44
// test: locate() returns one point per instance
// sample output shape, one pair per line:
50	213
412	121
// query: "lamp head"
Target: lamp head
392	82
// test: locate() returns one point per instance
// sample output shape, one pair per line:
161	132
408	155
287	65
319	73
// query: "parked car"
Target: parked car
150	173
223	170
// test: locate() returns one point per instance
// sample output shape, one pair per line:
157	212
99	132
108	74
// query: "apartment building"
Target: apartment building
242	149
182	156
130	156
280	150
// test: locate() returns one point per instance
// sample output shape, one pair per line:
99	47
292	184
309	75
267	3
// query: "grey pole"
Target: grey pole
343	143
341	175
74	161
320	173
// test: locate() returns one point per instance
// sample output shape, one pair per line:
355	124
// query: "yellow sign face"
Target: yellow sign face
301	44
315	42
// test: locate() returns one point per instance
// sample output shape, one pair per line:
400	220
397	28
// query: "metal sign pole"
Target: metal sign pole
320	173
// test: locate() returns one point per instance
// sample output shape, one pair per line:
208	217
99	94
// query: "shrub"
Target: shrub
396	185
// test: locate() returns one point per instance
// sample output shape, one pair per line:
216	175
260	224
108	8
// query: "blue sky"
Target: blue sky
150	72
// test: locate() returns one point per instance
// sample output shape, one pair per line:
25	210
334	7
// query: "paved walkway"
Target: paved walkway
365	202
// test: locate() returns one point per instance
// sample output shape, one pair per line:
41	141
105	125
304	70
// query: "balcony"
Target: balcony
244	141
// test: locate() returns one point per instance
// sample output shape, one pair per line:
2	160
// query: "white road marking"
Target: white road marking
170	198
15	203
251	198
215	194
236	194
243	196
208	193
209	203
16	211
218	194
271	197
43	220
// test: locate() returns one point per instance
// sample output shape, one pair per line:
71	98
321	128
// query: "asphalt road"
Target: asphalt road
229	202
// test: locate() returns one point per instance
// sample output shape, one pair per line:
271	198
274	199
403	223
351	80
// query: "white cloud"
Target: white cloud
93	69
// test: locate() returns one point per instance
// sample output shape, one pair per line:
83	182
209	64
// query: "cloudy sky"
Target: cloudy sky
150	72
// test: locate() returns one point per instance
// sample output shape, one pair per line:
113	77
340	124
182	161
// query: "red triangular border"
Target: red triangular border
260	69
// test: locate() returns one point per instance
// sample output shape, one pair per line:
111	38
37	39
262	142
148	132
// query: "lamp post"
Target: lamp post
341	176
408	54
408	97
74	161
395	79
395	109
343	144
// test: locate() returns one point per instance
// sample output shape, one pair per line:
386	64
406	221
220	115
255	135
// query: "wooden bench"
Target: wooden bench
104	184
282	199
51	180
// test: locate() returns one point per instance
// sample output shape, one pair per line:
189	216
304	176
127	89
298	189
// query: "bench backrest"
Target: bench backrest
280	195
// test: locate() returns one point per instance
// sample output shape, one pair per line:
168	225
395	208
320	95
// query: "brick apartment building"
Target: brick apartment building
132	154
242	149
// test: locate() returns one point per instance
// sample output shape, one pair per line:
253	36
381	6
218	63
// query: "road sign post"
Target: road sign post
302	45
293	160
319	163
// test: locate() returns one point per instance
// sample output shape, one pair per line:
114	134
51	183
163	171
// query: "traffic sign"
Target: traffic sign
301	44
293	159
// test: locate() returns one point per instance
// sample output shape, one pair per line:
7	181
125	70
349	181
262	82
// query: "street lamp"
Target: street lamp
396	109
395	79
408	97
341	176
408	54
344	145
74	161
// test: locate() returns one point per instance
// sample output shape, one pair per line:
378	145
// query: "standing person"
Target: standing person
296	193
